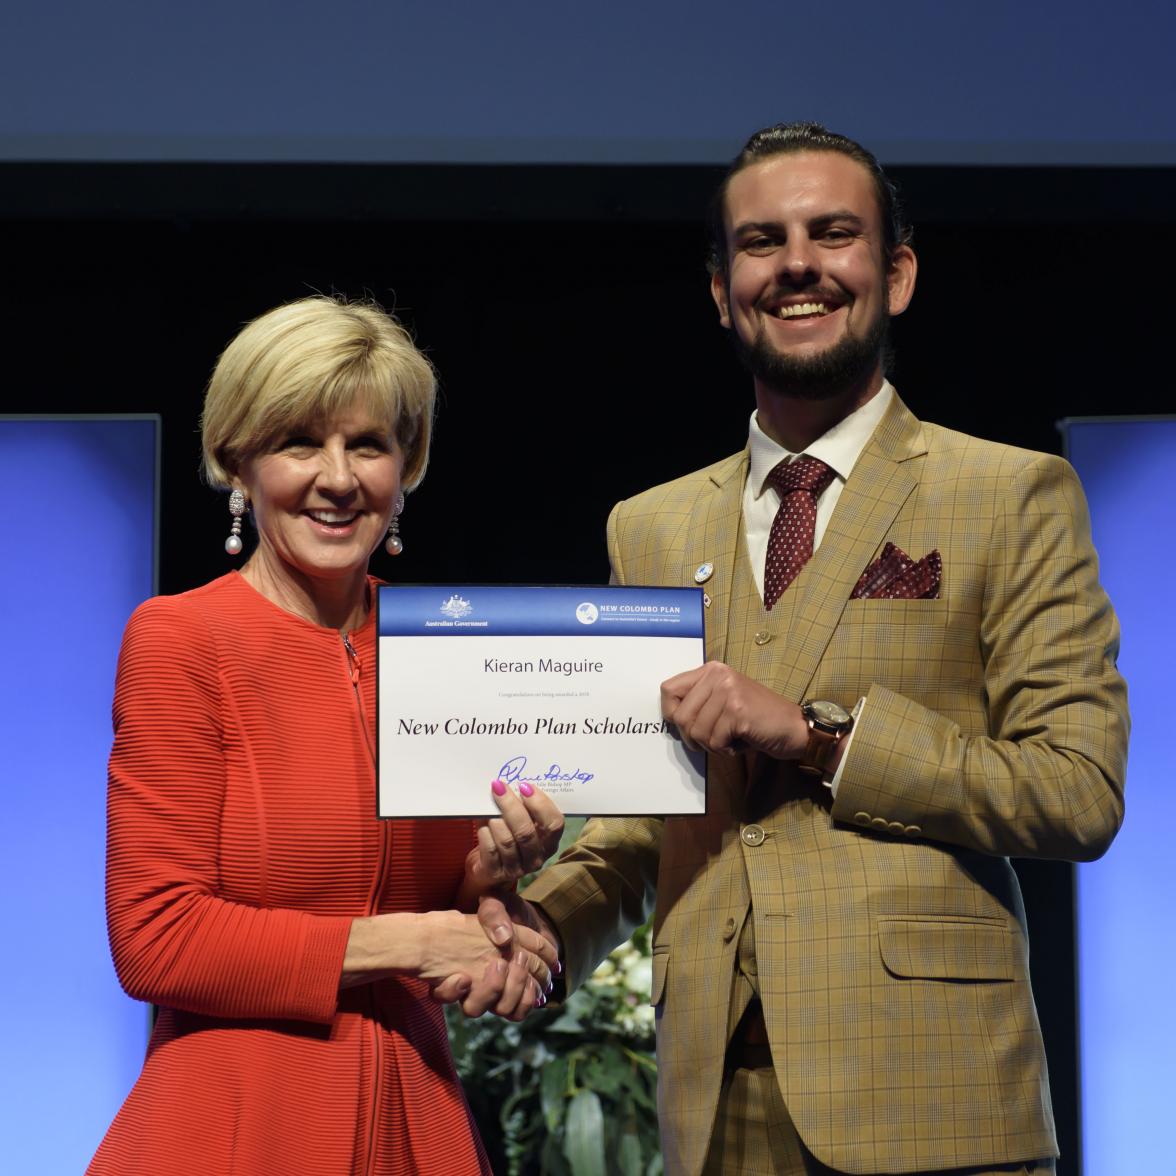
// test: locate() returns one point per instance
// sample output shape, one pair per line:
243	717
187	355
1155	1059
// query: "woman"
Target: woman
296	946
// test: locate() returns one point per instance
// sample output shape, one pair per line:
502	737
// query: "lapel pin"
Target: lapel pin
706	600
703	572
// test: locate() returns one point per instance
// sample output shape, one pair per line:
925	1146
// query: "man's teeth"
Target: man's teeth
330	517
804	308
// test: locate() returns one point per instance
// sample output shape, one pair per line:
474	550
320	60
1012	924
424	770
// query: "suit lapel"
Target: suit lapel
715	541
881	481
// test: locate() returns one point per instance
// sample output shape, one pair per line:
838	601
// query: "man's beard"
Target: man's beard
821	376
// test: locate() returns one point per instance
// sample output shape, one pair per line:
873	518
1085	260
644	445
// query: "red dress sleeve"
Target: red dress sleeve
174	940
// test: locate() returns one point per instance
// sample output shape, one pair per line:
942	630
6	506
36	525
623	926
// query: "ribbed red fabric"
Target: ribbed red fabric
242	840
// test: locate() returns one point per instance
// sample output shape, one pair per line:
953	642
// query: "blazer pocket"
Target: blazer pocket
948	947
657	986
894	612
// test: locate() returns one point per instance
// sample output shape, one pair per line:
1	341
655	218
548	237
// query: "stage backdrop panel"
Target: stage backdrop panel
662	81
82	495
1127	901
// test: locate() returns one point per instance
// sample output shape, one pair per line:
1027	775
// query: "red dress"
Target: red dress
242	840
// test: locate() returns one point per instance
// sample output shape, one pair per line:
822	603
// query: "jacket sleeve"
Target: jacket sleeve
1046	777
600	890
174	940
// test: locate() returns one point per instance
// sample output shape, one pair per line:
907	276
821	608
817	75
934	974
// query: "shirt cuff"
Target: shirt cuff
857	714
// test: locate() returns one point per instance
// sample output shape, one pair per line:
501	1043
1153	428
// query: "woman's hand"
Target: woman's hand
517	975
488	966
514	844
503	918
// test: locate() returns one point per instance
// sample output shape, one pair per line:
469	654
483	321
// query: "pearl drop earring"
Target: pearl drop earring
393	544
237	507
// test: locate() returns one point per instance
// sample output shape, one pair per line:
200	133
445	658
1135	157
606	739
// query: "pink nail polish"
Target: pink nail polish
526	789
498	788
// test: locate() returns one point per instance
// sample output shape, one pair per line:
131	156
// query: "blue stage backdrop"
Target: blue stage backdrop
662	81
1127	901
84	494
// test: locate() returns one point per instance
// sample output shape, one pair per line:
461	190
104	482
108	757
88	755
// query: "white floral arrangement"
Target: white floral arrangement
572	1090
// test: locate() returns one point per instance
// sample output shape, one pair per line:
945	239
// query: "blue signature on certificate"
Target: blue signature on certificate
515	769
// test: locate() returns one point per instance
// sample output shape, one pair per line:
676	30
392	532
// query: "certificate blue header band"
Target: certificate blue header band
472	610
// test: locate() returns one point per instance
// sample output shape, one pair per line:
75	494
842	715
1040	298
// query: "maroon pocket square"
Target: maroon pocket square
895	576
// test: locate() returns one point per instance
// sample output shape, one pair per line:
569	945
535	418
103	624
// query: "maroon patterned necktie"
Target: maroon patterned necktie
790	544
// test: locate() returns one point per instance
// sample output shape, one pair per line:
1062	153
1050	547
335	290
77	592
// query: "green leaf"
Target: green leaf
605	1072
629	1160
553	1087
584	1135
645	1095
572	827
656	1165
552	1161
568	1023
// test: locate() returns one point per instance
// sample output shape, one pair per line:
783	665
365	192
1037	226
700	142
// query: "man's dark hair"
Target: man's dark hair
793	138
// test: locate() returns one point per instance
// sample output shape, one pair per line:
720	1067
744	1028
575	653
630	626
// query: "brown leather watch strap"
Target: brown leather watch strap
819	750
827	722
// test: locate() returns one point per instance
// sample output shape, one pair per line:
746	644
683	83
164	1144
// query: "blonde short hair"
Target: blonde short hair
303	362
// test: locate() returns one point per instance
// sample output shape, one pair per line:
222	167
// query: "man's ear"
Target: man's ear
900	279
718	286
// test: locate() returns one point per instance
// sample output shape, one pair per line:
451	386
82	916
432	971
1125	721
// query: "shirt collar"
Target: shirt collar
839	448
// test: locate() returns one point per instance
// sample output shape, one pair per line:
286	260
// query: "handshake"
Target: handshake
518	969
503	958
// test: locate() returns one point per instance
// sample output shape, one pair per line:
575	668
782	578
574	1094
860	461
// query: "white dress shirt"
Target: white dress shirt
839	449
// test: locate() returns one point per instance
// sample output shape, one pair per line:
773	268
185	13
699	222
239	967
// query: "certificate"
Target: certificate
555	686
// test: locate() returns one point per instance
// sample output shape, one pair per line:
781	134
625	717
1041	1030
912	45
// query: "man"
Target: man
840	957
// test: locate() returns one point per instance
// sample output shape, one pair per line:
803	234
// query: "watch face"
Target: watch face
828	713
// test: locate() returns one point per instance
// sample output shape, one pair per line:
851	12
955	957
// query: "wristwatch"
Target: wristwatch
828	724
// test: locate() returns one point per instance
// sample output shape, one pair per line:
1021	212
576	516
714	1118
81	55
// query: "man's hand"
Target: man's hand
499	912
715	708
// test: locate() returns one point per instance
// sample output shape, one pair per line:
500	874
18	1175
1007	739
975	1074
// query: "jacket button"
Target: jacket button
762	637
880	823
896	827
913	830
753	834
728	930
862	818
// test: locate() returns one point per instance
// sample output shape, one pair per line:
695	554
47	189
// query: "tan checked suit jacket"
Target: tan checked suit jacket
889	929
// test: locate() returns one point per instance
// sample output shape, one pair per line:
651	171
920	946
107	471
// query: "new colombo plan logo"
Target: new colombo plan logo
587	612
456	608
